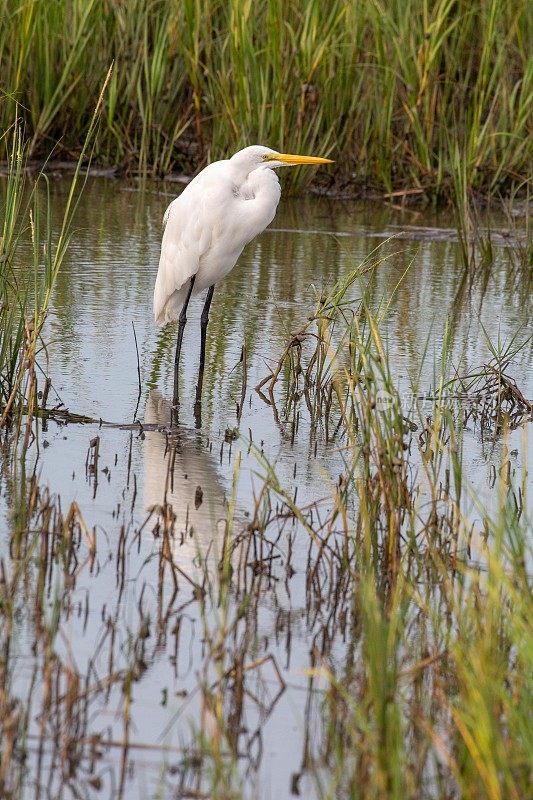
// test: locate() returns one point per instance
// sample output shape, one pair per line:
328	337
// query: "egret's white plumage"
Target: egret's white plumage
210	223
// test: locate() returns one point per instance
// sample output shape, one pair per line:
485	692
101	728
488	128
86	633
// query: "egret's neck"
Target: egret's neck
262	178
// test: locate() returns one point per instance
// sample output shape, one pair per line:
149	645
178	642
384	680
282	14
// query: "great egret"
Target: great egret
206	229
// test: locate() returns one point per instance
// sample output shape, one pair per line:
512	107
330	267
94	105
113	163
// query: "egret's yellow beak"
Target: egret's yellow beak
288	158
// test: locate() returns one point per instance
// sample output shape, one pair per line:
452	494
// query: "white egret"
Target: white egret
206	229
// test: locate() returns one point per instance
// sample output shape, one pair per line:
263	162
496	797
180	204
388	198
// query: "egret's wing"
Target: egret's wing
208	226
187	236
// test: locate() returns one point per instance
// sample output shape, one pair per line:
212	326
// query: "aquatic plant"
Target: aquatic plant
432	697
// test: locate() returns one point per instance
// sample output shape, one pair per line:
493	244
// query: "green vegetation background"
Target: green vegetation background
401	93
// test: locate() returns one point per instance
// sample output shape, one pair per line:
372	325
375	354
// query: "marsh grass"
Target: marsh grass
25	292
434	699
402	94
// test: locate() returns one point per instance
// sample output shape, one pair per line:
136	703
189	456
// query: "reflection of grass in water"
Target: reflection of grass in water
417	602
476	242
165	339
397	90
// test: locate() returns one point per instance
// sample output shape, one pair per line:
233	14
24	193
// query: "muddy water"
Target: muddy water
102	295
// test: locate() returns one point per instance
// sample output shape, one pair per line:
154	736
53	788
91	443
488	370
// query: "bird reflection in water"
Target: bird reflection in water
183	488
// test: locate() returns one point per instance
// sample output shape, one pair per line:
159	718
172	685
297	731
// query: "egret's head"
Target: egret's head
258	156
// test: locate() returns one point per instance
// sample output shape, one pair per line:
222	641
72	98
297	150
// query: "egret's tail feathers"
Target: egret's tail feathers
170	311
167	309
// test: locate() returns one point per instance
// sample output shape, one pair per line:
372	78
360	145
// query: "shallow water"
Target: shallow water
105	290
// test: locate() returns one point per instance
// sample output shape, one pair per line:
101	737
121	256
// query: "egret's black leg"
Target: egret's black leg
181	327
204	322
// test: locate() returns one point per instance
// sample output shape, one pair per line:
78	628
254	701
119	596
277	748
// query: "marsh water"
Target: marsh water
121	610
